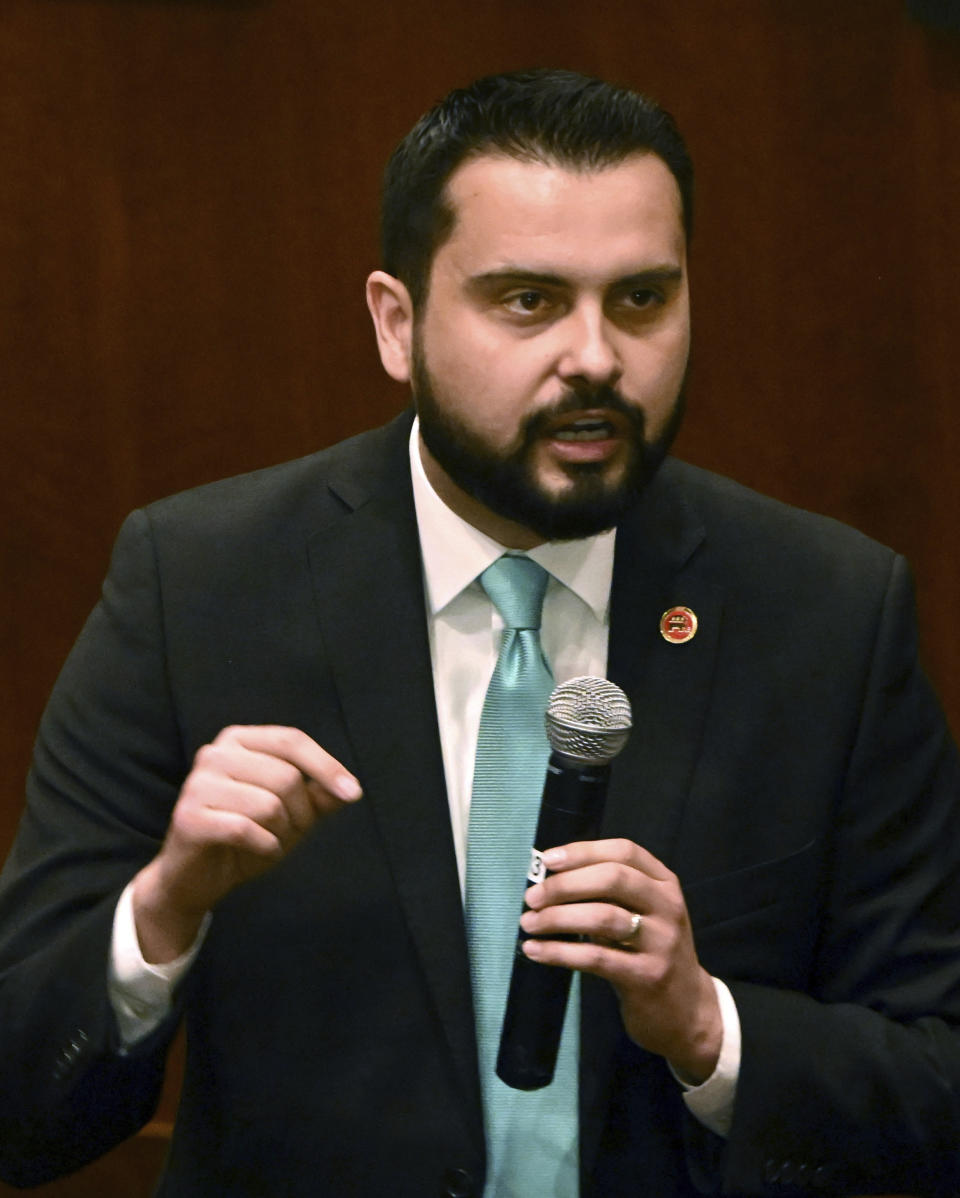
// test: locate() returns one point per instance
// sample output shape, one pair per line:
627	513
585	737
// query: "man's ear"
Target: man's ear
392	311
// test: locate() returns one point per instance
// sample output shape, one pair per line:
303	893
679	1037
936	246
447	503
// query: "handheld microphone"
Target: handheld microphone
588	722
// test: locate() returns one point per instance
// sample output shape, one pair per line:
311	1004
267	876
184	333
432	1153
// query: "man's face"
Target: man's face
548	361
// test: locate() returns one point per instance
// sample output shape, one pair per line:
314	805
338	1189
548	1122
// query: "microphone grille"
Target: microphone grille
588	720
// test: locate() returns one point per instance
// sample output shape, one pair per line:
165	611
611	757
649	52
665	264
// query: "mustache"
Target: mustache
597	399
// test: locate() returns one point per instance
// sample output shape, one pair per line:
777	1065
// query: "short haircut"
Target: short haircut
551	116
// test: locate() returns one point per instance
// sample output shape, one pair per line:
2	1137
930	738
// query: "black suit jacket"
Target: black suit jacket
789	763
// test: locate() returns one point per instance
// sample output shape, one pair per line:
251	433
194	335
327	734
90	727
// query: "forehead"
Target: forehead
511	209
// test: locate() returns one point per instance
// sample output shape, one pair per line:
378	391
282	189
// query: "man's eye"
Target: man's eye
526	301
644	297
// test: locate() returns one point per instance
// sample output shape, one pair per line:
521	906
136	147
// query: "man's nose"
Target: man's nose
588	350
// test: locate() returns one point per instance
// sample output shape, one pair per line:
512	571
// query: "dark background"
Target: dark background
188	209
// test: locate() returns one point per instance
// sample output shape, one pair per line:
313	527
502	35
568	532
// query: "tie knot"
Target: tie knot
516	586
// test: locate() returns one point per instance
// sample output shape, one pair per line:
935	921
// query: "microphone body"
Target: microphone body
588	721
573	795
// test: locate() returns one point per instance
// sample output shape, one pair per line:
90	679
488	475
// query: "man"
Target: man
250	804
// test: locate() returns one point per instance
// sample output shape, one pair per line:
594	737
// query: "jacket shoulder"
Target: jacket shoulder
296	495
745	522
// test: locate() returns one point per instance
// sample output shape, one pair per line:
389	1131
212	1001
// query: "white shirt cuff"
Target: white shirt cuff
712	1101
141	994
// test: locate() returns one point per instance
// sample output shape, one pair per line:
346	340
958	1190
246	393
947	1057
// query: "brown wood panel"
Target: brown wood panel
188	209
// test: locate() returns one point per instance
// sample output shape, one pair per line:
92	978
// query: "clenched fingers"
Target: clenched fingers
250	797
327	782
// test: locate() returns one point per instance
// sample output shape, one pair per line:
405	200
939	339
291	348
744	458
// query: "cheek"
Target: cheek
489	388
454	354
660	370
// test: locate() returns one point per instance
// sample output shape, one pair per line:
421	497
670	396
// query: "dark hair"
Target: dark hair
553	116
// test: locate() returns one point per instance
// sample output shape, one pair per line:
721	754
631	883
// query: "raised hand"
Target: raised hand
251	796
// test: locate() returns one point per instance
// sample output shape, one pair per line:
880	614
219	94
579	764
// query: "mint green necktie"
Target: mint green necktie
532	1140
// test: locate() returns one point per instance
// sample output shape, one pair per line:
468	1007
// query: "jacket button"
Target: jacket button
68	1056
457	1183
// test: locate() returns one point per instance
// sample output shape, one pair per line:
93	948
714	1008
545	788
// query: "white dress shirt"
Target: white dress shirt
465	632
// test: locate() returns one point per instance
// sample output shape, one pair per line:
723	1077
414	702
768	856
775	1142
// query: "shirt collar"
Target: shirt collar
455	553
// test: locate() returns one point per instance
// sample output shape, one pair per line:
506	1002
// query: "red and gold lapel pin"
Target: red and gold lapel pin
678	625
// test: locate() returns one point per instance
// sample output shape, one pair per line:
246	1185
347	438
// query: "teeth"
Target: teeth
585	430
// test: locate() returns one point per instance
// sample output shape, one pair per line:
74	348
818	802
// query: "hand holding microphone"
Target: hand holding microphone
588	721
581	910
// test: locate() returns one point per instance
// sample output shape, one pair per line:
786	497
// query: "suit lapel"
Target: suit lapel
369	589
659	564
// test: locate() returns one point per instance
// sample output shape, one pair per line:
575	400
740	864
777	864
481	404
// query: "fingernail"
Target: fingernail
554	857
533	948
533	896
346	787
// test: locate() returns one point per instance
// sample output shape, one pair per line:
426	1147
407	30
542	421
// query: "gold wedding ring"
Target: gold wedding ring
636	921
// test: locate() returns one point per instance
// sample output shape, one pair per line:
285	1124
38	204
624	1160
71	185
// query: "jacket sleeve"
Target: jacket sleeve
107	770
851	1087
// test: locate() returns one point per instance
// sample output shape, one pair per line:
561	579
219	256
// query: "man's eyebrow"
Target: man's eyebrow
507	275
654	274
518	275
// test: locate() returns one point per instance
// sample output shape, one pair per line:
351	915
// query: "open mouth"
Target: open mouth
599	424
588	428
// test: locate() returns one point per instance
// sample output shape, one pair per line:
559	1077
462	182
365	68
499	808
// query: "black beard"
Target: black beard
505	482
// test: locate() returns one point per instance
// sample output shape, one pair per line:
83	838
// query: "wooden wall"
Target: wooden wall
188	197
